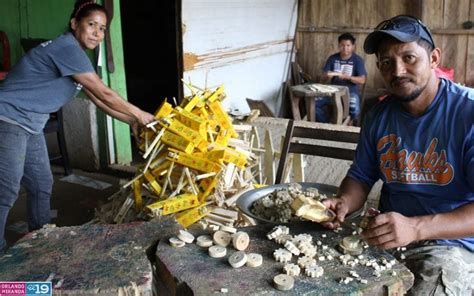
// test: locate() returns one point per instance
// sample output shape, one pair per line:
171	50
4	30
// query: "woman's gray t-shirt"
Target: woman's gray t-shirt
41	82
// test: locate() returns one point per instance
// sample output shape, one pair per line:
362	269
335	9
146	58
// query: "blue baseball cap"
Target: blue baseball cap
404	28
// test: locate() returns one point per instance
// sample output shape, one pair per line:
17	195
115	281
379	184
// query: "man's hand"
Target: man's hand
345	77
333	73
391	230
340	208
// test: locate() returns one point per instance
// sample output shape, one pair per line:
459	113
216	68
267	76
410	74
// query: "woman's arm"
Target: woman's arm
111	102
115	114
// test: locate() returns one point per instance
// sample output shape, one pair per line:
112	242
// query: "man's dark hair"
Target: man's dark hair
426	45
347	36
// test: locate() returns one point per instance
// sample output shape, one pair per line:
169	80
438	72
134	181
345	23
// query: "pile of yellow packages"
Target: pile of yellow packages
192	155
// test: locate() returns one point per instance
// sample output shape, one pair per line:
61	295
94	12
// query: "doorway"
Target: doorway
152	72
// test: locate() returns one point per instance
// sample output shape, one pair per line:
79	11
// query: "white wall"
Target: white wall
243	44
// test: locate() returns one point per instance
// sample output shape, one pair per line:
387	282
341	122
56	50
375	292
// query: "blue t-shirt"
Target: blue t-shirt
41	83
353	66
425	162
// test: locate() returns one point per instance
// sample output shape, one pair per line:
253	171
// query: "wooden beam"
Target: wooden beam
312	29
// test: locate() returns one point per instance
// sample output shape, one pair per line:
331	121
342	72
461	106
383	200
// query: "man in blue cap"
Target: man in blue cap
420	142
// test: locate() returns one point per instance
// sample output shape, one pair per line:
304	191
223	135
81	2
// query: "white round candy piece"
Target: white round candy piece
222	238
237	259
204	241
217	251
254	260
283	282
185	236
176	243
240	240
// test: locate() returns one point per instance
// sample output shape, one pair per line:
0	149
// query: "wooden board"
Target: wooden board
322	21
470	52
88	259
190	270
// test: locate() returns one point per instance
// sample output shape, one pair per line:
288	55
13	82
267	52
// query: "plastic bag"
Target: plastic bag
447	73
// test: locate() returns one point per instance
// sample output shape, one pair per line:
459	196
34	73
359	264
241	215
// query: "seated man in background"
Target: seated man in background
344	68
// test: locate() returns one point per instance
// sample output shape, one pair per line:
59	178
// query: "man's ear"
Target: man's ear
435	58
73	24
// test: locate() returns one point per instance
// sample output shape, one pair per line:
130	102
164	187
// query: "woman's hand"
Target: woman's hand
136	132
144	118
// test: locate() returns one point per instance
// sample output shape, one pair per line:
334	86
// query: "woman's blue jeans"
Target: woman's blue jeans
24	161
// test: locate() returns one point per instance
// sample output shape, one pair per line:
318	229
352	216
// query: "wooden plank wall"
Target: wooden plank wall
470	51
322	21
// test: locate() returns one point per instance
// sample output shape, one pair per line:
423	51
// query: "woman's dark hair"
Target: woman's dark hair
83	8
347	36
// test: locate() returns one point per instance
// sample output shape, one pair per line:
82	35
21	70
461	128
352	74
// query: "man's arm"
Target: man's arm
112	100
391	230
353	79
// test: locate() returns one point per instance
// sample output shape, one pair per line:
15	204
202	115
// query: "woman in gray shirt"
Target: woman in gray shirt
45	79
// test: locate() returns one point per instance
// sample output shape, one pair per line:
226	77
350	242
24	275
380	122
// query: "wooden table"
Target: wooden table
89	259
191	271
340	99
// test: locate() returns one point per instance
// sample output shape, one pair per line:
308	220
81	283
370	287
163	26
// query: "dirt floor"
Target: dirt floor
71	203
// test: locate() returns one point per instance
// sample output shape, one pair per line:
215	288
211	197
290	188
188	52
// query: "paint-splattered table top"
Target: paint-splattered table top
190	270
87	259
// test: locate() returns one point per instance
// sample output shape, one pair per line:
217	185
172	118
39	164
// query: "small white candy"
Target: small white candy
292	269
176	243
185	236
254	260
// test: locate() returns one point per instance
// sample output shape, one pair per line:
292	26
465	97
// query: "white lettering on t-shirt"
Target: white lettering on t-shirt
46	43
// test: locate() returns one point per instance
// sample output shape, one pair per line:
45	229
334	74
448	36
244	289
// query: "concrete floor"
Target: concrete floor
73	203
